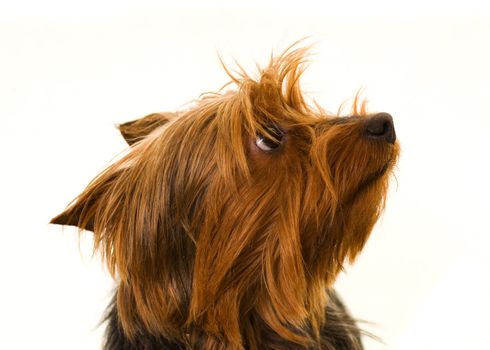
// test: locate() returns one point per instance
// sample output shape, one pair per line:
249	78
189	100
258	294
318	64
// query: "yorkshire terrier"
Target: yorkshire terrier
226	224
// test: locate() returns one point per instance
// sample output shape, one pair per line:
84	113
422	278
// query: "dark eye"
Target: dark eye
267	144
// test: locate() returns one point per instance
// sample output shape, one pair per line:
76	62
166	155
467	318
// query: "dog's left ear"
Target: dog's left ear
82	211
138	129
71	217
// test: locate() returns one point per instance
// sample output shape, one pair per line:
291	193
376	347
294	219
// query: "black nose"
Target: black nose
380	126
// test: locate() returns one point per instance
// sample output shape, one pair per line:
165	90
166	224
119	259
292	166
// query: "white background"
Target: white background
71	70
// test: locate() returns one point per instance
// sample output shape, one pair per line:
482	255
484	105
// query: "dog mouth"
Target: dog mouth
375	176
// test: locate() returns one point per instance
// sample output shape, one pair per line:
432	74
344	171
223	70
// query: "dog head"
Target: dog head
238	213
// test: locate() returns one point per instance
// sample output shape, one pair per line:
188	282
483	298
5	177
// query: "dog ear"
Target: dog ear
82	210
71	217
136	130
86	203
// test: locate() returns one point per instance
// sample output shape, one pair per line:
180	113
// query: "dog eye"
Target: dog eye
267	144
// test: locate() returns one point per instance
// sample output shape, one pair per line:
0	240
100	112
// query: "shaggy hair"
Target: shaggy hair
217	243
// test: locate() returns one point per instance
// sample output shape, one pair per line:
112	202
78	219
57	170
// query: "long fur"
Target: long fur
216	244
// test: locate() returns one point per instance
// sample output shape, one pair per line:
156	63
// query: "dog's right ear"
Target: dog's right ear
138	129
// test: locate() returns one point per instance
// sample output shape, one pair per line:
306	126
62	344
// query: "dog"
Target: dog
226	224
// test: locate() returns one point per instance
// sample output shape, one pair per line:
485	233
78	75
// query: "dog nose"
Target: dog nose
380	126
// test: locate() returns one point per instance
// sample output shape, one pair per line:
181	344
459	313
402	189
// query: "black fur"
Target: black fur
339	333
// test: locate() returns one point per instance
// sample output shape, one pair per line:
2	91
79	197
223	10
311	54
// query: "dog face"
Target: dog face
238	212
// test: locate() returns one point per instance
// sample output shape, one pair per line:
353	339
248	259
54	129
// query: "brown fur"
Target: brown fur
213	240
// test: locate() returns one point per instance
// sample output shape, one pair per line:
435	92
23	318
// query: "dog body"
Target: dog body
226	225
339	333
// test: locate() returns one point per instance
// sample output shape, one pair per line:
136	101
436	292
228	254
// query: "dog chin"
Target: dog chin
377	177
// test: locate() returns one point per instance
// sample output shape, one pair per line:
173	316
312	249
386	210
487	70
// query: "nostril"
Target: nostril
380	126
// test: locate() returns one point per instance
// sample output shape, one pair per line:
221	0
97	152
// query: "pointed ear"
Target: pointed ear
82	210
71	217
138	129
